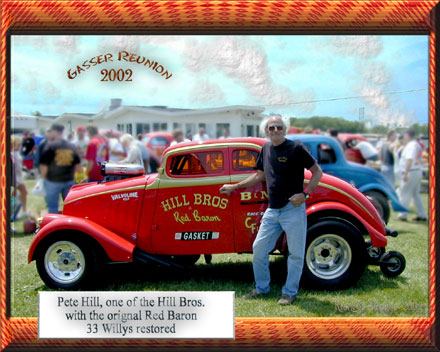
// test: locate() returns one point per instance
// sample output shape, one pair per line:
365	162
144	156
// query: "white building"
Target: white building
242	121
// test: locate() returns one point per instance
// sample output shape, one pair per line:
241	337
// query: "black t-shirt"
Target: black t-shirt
61	157
386	155
283	167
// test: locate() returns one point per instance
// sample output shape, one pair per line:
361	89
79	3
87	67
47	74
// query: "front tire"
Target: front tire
335	256
66	263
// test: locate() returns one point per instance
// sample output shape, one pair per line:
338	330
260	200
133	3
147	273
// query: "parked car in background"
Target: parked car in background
352	154
330	156
157	141
173	216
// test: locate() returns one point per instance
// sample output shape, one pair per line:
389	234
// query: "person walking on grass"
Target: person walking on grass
411	172
58	163
281	164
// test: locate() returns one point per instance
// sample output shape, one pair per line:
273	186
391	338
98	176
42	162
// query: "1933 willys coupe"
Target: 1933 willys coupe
173	216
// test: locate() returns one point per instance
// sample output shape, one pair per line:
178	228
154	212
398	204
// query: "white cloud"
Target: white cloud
365	47
205	92
376	73
119	42
246	63
66	44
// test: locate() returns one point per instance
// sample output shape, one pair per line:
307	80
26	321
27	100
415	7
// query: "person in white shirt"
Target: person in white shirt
368	152
411	172
134	154
201	136
178	137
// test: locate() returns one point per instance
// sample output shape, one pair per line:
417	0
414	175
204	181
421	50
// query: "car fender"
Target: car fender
392	196
378	239
117	248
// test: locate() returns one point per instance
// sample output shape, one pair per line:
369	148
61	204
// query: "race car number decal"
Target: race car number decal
197	236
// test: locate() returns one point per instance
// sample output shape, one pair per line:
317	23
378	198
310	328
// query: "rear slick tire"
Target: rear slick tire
335	256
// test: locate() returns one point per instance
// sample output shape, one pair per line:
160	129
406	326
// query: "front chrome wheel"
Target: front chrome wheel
64	262
328	256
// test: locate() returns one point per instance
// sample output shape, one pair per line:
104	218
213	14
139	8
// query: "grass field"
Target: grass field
373	296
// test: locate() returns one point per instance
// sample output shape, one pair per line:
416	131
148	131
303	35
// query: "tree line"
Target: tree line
324	123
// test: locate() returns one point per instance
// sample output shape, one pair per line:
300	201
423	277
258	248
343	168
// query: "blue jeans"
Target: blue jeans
293	221
53	191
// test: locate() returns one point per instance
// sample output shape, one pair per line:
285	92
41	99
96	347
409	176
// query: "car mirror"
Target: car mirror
160	170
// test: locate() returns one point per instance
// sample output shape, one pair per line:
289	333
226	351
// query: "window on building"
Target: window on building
129	128
202	163
249	131
162	126
220	127
120	127
177	125
142	128
244	159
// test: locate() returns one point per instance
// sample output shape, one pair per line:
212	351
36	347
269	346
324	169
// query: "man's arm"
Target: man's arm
43	170
316	177
407	168
299	198
89	166
252	180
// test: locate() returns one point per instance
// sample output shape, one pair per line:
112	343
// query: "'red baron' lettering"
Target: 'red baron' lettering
122	56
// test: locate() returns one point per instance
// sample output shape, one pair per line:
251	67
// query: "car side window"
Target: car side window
159	141
326	154
244	159
200	163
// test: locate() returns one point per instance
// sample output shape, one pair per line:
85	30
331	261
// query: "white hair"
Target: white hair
126	139
265	121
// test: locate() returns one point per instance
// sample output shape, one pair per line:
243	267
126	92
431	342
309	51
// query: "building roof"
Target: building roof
165	111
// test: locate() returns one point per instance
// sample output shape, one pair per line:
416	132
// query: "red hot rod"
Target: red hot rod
175	215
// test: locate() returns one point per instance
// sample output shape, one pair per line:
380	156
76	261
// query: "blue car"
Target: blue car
330	156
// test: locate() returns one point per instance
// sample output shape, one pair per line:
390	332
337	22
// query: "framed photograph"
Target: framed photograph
149	69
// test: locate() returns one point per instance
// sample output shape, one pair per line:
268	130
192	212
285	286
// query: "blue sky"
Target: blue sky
291	75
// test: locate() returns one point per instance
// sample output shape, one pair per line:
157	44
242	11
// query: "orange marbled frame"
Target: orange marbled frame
238	17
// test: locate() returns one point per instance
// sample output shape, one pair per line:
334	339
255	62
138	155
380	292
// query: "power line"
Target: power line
346	98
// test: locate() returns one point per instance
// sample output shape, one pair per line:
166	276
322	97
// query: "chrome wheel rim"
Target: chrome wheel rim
64	262
328	256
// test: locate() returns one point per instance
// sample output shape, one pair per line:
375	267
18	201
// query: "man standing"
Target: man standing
58	163
281	164
178	137
97	153
387	158
409	166
201	136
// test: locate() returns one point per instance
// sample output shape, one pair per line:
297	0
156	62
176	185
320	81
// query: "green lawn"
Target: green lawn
373	296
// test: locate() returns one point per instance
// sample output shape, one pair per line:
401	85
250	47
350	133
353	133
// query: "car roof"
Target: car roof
158	134
309	137
346	136
228	141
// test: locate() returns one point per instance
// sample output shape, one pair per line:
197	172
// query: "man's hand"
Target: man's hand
405	177
297	199
227	189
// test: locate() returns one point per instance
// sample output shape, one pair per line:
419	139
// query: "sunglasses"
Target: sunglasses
272	128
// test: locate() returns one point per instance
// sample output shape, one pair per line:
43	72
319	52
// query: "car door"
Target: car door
248	204
191	216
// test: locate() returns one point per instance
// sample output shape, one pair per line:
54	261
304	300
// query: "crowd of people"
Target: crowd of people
58	163
400	157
